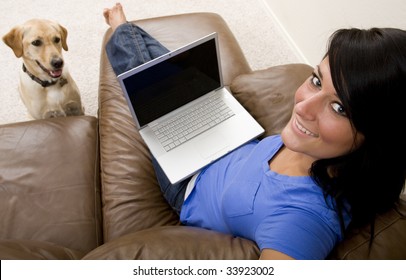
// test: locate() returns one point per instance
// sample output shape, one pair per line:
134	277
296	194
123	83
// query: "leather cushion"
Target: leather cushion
389	241
268	94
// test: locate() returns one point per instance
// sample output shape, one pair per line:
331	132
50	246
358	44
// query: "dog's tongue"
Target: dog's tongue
56	73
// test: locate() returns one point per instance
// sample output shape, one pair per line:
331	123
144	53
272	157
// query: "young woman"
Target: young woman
340	159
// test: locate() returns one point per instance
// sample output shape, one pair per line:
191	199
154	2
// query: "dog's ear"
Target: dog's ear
13	39
64	35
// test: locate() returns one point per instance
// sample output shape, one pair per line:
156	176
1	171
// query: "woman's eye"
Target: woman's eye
315	81
339	109
36	43
57	40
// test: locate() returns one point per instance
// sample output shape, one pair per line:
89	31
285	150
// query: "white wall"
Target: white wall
308	23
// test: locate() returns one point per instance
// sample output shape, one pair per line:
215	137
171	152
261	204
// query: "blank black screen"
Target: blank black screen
171	83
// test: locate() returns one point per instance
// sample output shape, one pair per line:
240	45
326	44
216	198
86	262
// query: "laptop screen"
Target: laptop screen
173	82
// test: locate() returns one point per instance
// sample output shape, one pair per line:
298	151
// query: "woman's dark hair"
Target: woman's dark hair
368	69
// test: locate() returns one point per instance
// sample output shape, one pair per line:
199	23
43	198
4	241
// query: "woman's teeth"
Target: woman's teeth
304	130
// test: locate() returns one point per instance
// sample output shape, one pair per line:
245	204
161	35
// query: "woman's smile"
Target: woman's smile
303	129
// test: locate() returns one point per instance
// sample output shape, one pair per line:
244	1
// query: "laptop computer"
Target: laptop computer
182	85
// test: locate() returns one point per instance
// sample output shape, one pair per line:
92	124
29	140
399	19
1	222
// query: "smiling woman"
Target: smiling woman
294	194
319	127
368	71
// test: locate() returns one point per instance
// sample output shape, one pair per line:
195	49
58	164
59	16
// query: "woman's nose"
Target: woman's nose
309	106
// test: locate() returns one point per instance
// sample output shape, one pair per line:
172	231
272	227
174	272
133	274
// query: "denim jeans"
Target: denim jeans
128	47
131	46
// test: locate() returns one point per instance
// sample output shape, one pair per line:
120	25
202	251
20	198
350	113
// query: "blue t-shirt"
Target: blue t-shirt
240	195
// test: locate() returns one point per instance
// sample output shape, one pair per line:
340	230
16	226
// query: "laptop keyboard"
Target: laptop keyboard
192	122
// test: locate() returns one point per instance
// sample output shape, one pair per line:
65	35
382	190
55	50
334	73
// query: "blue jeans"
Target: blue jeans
128	47
131	46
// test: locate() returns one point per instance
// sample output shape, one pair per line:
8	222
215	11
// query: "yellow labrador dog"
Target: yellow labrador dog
46	87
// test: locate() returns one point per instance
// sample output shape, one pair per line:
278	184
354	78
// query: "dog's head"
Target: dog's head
39	42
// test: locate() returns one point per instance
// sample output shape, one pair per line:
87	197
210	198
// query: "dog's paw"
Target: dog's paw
54	114
73	108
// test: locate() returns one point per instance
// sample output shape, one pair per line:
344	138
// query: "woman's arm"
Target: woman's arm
269	254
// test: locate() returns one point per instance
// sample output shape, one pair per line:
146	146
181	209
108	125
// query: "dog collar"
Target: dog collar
38	80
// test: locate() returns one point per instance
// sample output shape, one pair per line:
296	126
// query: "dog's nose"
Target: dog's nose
57	63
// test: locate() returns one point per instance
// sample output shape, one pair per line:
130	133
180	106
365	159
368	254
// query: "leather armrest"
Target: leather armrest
35	250
186	243
49	182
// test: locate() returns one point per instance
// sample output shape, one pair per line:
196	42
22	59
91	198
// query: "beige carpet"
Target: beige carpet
250	20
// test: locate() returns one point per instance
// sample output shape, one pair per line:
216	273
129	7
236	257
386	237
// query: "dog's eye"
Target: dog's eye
57	40
36	43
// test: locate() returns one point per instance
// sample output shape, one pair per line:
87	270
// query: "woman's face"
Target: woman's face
319	127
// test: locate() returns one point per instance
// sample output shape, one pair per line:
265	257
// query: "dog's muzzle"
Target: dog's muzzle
57	64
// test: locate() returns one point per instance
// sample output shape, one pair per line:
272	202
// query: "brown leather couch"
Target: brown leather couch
84	188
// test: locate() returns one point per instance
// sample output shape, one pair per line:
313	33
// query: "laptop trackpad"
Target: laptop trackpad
211	144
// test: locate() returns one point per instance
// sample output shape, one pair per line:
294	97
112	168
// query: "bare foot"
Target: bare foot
114	16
